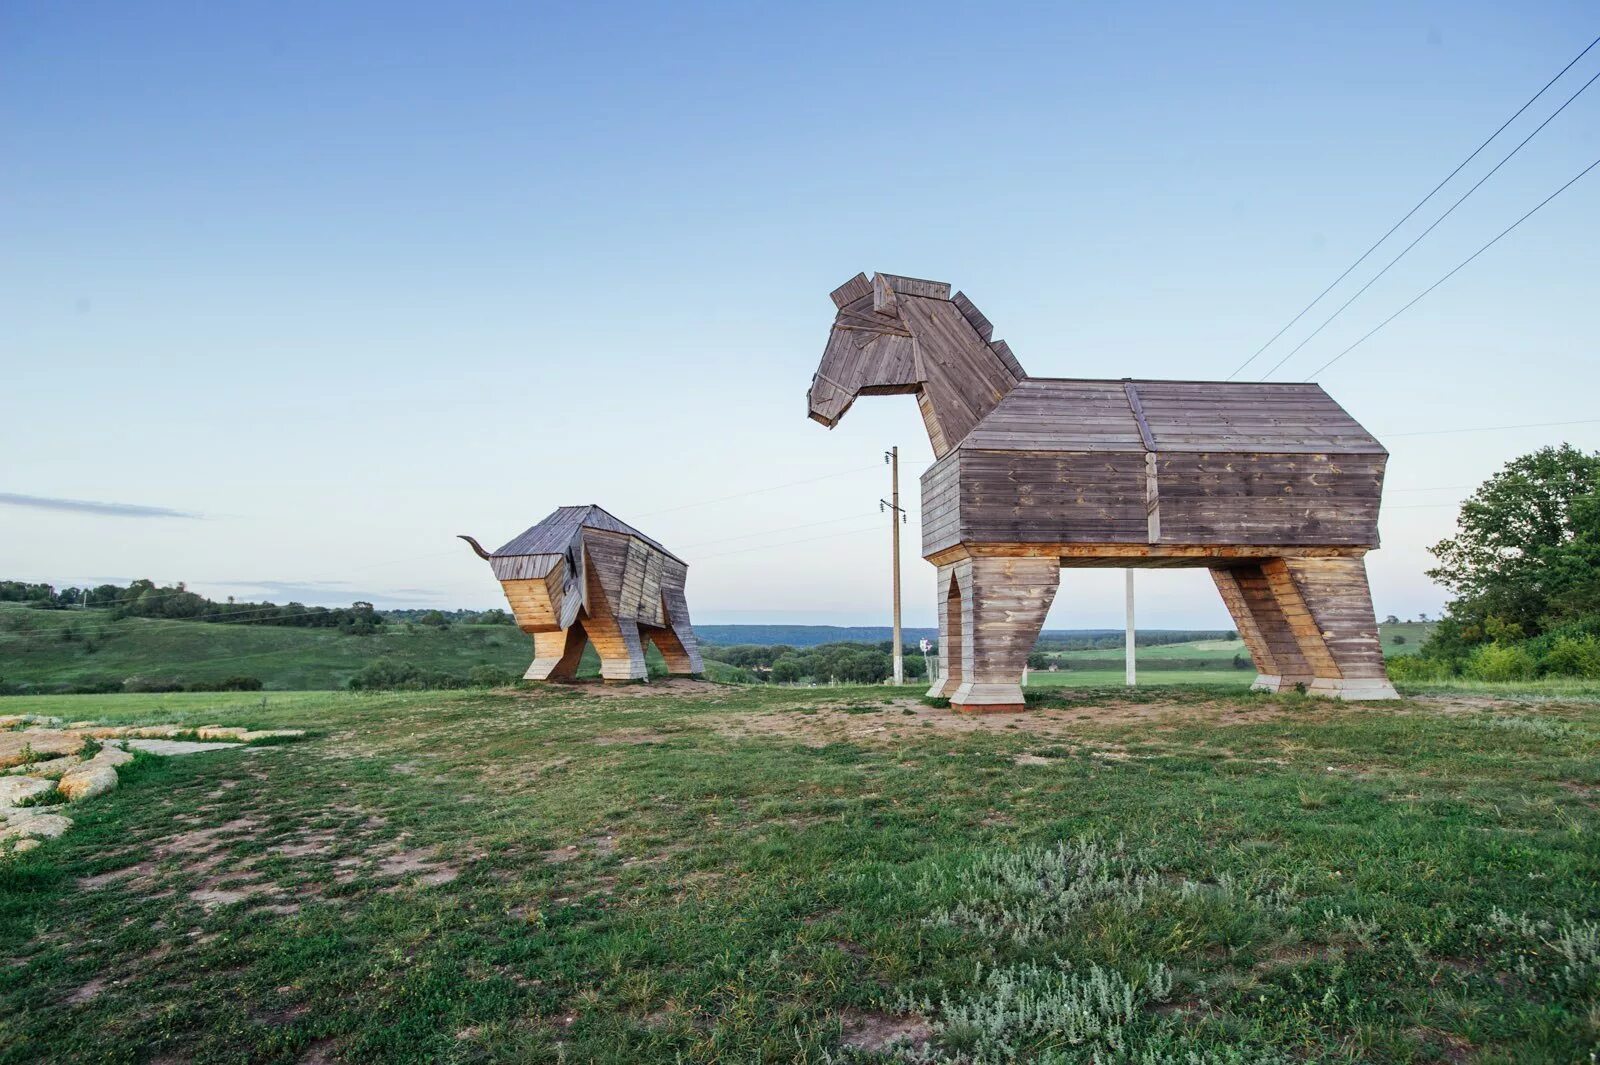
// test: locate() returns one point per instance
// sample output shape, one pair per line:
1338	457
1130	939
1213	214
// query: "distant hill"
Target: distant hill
812	635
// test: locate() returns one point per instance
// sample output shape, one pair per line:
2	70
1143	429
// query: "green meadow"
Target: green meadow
695	872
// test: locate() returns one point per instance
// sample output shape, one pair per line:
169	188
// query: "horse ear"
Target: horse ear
883	300
851	291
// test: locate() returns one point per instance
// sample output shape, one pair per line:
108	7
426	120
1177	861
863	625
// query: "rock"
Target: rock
272	733
217	732
49	769
43	826
87	782
26	843
166	747
111	756
17	747
16	789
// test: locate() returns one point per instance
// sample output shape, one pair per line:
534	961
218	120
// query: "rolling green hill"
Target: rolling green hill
49	649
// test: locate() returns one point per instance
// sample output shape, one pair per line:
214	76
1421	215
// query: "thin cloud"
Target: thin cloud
89	506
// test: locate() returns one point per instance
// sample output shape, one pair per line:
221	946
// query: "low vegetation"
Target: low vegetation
1524	567
705	873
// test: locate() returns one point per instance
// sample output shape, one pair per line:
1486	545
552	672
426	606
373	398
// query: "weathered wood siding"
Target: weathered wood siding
1043	496
1210	498
941	504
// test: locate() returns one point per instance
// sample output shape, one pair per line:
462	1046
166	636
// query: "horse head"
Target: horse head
870	351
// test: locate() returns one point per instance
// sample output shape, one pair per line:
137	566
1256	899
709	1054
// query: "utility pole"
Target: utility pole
897	518
1128	636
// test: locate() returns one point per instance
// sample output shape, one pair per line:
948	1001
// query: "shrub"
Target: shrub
152	684
1417	668
1498	661
1573	656
488	677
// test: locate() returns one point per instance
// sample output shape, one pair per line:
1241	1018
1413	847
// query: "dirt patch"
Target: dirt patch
87	993
321	1052
141	871
904	718
202	841
307	844
632	736
877	1031
593	846
419	866
227	892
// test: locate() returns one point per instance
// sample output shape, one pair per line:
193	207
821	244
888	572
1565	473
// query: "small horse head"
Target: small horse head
870	351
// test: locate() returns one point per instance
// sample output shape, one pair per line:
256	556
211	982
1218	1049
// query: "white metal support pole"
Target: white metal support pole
896	516
1132	676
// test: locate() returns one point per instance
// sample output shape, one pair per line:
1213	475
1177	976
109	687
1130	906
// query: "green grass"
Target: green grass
1403	638
33	649
743	874
1095	678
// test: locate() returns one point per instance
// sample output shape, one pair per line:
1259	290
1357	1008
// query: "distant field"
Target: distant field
1215	657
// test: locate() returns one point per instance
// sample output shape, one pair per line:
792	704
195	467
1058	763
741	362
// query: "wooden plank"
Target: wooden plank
915	286
1132	395
851	290
969	311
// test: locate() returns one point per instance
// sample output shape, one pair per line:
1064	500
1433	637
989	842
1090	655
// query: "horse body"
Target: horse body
1272	487
583	576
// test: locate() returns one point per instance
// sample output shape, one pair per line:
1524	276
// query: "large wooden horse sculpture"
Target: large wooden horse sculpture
583	576
1273	487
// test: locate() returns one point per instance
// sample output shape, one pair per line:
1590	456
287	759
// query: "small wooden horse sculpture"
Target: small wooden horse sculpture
1273	487
582	576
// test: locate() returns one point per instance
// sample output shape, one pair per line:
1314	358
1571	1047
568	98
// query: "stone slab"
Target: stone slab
165	747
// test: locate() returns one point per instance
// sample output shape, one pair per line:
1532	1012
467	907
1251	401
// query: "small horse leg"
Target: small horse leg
1008	603
621	650
683	659
556	654
1328	605
1256	614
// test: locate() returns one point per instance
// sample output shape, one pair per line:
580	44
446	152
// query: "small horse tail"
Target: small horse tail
475	545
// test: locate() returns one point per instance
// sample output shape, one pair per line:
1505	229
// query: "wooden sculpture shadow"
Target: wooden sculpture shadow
1272	487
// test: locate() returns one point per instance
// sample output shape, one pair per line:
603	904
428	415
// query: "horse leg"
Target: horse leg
1008	602
1256	614
949	599
621	650
556	654
1328	606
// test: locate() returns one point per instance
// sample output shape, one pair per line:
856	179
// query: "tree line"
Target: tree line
1524	567
146	599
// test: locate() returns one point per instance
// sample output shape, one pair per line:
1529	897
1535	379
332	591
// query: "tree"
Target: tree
1391	620
787	670
1525	556
1038	660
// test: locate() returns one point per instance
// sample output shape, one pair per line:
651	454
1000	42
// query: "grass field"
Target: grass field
33	648
700	873
1215	657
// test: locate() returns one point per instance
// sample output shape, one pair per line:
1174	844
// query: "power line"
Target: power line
1459	266
1407	249
1406	217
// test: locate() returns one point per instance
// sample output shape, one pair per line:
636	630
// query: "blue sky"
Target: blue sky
349	279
